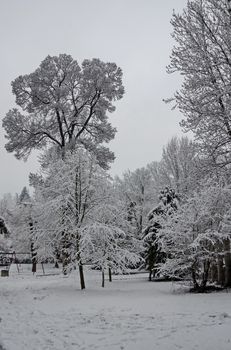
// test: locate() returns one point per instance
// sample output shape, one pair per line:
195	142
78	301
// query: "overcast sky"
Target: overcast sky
135	34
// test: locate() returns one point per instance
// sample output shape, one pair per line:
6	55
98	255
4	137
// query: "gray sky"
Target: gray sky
135	34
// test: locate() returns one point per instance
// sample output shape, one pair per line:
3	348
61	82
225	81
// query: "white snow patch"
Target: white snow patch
51	313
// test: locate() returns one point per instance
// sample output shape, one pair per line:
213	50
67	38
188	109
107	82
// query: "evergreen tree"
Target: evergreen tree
167	206
24	196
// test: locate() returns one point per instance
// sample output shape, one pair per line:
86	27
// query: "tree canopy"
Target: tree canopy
62	103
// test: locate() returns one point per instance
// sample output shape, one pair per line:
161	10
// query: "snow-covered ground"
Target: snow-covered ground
51	313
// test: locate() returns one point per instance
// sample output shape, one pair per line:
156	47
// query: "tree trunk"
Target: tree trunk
150	275
57	258
109	273
227	259
221	271
34	266
34	258
81	276
33	251
56	264
195	283
205	275
103	278
214	274
66	259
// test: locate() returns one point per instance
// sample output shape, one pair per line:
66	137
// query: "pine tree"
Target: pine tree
24	196
167	206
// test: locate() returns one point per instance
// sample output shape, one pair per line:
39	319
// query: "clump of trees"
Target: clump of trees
197	237
172	216
72	216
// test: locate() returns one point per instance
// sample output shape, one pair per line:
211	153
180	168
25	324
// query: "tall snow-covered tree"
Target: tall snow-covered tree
202	55
19	222
64	202
136	190
179	165
62	103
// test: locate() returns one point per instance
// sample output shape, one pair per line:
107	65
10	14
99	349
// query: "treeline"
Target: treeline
173	216
79	215
170	217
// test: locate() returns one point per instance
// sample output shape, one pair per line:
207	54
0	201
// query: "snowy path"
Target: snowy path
51	313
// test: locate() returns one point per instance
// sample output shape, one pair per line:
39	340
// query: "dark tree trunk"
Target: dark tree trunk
65	262
103	279
81	276
66	259
227	259
33	251
205	275
221	271
57	257
150	275
33	258
195	283
34	267
109	274
214	274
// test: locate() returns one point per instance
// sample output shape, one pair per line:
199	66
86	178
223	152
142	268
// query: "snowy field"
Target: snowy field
51	313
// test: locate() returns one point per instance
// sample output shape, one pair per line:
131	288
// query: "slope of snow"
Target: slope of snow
51	313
